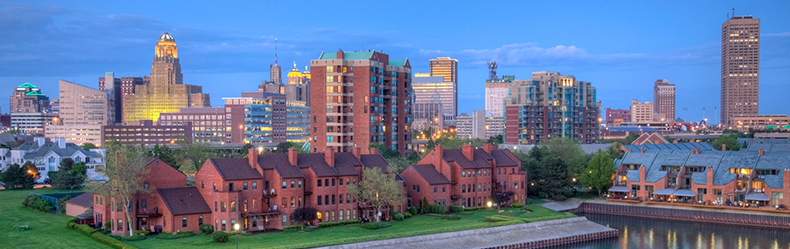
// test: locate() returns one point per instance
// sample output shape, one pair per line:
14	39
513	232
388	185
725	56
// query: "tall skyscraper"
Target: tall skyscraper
740	67
121	87
496	92
83	111
551	105
436	89
28	98
664	99
445	67
359	98
166	91
275	72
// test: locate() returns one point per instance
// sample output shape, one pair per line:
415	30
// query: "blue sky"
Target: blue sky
622	47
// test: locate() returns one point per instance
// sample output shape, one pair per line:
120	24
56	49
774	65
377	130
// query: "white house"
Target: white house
47	156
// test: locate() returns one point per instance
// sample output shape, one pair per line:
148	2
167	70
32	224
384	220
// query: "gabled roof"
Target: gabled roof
84	200
375	161
429	173
184	200
35	151
279	163
502	158
27	85
231	169
456	155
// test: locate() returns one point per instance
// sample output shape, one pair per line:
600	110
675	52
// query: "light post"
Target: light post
489	212
236	227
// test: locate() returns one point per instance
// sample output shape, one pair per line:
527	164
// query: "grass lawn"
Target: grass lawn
46	230
417	225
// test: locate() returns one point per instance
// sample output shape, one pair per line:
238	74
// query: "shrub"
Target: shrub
376	225
141	232
472	209
414	210
231	233
436	209
289	228
35	202
135	237
220	237
456	208
108	224
71	224
407	215
185	232
84	229
397	216
62	204
181	234
206	229
110	241
518	205
350	222
451	217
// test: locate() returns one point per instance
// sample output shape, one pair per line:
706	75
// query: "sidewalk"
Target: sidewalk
563	205
490	237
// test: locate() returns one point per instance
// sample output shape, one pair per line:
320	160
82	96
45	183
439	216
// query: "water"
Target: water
642	233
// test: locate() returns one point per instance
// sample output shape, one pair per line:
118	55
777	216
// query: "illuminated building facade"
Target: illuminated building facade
551	105
744	123
166	91
270	118
83	111
664	99
146	132
496	92
28	98
445	67
740	67
436	89
121	87
359	98
209	124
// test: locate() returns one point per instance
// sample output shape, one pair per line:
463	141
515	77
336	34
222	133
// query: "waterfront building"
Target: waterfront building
48	155
551	105
166	91
435	89
744	123
756	176
467	176
616	116
471	127
28	98
360	98
146	132
496	92
664	99
740	68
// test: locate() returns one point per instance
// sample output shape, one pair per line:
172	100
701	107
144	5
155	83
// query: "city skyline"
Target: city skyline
221	51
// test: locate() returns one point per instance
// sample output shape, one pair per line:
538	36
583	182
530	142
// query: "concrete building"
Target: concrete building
435	89
495	126
664	99
473	127
32	122
427	115
121	87
740	68
467	176
146	132
269	118
166	91
83	111
642	112
54	106
209	124
551	105
445	67
616	116
360	98
292	92
496	92
744	123
275	72
48	155
28	98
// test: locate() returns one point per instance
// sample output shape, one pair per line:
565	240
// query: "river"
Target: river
642	233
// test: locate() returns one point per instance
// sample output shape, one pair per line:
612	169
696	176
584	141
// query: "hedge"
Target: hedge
472	209
414	210
397	216
518	205
135	237
435	209
97	236
206	229
451	217
456	208
407	215
376	225
220	237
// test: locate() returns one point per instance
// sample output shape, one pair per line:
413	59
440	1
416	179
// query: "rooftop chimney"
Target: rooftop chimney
723	147
374	151
761	152
642	149
357	151
252	157
329	155
468	151
40	141
675	141
61	142
292	155
488	147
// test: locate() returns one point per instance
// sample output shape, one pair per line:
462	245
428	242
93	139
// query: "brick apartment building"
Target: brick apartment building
146	132
467	176
360	98
167	204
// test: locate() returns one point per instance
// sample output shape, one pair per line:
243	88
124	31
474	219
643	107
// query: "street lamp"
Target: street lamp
489	212
236	227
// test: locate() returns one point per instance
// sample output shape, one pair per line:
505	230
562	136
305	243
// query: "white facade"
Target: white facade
496	92
78	134
494	126
48	155
471	126
641	112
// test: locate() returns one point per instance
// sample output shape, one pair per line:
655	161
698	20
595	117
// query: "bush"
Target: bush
220	237
84	229
350	222
71	224
62	204
110	241
35	202
329	224
472	209
451	217
166	233
376	225
108	225
180	234
436	209
414	210
289	228
456	208
141	232
185	232
231	233
397	216
135	237
518	205
206	229
407	215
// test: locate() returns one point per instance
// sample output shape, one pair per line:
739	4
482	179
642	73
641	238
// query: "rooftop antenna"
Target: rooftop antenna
733	12
492	71
275	51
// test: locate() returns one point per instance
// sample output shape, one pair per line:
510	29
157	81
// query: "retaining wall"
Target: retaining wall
711	216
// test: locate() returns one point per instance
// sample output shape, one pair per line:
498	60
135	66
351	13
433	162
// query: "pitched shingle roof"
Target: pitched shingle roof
84	200
375	161
234	169
502	158
280	163
429	173
479	156
184	200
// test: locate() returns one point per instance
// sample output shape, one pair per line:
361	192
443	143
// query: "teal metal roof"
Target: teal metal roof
364	55
27	85
34	93
398	63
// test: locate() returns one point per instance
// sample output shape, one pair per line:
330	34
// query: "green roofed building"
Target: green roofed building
28	98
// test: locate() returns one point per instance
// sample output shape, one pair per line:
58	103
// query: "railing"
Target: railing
621	183
269	194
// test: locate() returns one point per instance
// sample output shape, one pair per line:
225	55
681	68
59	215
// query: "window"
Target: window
215	186
293	202
223	207
340	199
202	185
200	220
233	206
463	188
326	182
444	189
143	203
299	184
319	182
319	200
340	216
184	222
499	171
254	185
333	182
463	174
293	184
285	219
326	200
215	206
285	185
244	186
254	204
434	189
145	186
223	225
333	199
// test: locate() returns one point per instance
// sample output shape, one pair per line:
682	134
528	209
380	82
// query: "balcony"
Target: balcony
269	194
144	212
455	197
621	183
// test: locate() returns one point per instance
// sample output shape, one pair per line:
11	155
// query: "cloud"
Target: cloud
785	34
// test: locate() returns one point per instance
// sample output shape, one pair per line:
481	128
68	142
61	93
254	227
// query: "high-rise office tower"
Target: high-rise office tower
496	92
740	67
275	72
84	111
436	89
121	87
166	91
28	98
445	67
664	99
359	98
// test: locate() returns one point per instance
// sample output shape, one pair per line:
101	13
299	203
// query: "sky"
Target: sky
622	47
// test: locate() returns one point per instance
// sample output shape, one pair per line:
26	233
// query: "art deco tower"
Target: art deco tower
166	92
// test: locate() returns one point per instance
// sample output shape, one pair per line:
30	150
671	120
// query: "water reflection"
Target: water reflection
644	233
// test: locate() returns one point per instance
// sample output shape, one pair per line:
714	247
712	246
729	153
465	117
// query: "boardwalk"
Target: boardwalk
493	237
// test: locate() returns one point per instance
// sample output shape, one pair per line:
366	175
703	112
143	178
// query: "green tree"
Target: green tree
70	175
88	146
31	169
15	177
80	169
166	154
569	151
553	179
376	188
194	154
498	139
731	141
615	151
126	171
385	151
283	147
598	174
246	149
303	215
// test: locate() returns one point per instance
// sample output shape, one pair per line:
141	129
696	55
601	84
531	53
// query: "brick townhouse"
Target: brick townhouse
467	176
167	204
261	191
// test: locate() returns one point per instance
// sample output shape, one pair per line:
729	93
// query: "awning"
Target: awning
685	192
757	197
619	189
666	191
